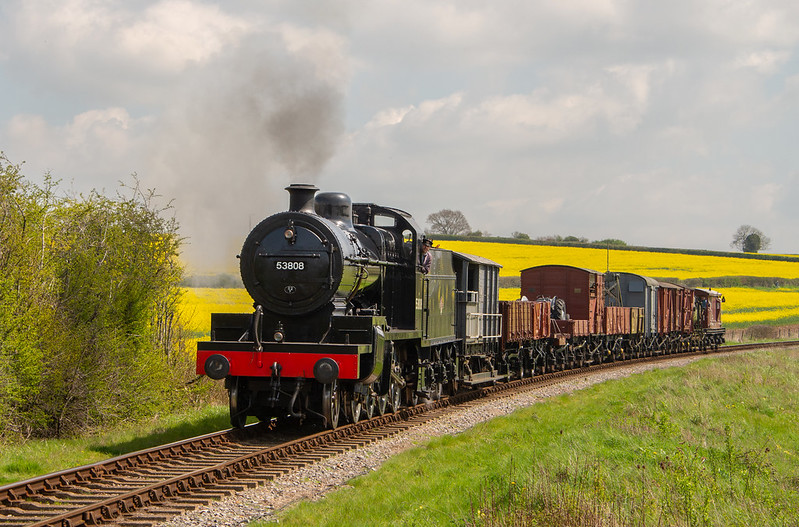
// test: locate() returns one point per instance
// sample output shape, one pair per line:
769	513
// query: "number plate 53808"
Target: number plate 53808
290	266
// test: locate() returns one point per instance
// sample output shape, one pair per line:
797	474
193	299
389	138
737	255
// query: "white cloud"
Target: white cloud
172	34
99	147
389	117
767	61
110	46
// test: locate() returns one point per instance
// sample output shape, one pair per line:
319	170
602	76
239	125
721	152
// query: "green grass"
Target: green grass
20	461
713	443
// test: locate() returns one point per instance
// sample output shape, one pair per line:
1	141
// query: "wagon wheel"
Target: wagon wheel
571	361
433	393
413	399
452	387
331	404
239	402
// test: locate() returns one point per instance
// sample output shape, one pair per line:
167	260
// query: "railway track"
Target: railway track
151	486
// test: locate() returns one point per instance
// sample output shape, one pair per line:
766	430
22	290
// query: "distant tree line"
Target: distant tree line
613	242
450	222
89	332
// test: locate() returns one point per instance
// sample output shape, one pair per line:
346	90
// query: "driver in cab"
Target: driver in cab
425	258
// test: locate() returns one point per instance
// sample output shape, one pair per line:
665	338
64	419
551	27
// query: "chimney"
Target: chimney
301	197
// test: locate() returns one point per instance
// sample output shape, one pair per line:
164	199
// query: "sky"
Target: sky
664	124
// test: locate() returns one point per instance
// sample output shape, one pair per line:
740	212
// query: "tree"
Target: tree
750	239
450	222
575	239
520	235
88	303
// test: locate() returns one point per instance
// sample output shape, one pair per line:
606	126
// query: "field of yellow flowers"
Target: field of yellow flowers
515	257
198	303
744	306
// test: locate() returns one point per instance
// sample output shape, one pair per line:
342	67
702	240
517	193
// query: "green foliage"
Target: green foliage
558	239
89	292
750	239
612	242
752	243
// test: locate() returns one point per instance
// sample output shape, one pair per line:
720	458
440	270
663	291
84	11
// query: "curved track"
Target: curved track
150	486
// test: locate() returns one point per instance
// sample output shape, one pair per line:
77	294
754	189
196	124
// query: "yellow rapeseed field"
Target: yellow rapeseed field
744	306
199	302
515	257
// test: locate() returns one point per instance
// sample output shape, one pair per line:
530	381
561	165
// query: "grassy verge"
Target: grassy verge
713	443
37	457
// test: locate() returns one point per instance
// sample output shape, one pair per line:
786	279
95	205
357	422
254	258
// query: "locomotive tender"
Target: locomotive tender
346	323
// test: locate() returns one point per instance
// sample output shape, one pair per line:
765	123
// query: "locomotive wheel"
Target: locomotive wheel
239	401
354	408
370	405
394	396
381	404
331	404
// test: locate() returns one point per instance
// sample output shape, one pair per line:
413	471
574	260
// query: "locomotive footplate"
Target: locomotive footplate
219	359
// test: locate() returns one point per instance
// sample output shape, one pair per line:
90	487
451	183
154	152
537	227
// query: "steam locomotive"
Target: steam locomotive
346	324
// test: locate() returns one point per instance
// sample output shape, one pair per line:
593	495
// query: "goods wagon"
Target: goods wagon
633	290
581	289
707	318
